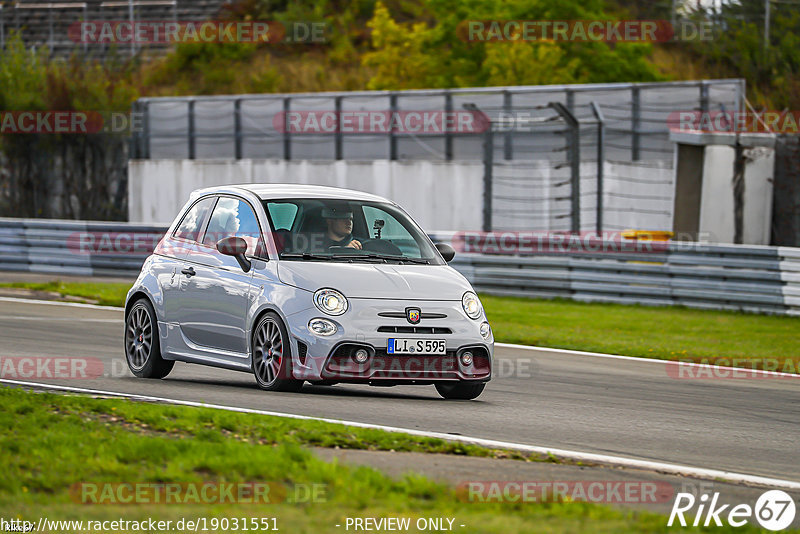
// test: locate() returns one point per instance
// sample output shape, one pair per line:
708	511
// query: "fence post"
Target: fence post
448	135
392	136
237	127
338	134
636	121
488	166
704	97
191	130
574	151
601	131
144	150
508	138
287	138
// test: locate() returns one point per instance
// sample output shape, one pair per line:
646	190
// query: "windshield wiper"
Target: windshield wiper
306	256
385	257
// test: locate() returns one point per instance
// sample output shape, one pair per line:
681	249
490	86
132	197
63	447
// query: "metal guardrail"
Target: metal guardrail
756	279
75	247
732	277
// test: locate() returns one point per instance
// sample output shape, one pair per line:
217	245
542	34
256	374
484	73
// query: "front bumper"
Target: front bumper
330	358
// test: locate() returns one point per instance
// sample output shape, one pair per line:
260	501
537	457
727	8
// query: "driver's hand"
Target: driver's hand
355	243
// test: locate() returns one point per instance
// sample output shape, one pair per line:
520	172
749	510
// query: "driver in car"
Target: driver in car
339	220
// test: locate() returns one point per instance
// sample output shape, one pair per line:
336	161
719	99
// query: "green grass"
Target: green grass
102	293
669	333
52	442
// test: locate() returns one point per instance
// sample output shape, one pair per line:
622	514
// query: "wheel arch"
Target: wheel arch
257	316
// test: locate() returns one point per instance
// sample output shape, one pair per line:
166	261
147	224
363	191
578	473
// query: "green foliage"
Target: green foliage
772	73
85	168
212	68
437	55
522	63
29	81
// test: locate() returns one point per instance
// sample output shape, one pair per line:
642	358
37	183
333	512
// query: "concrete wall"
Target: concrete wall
716	204
442	196
439	195
715	171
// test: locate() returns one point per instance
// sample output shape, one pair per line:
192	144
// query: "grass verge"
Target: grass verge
52	442
102	293
669	333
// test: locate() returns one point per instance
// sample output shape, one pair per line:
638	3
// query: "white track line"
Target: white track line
661	467
648	360
60	303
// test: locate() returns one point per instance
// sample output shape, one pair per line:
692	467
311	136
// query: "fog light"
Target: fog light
466	358
361	356
486	330
322	327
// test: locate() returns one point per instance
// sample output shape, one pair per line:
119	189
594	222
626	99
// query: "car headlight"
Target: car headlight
322	327
471	304
330	301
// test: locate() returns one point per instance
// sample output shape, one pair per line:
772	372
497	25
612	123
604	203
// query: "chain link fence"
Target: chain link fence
257	126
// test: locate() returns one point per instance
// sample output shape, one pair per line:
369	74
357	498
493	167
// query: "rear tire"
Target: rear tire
460	390
272	355
142	344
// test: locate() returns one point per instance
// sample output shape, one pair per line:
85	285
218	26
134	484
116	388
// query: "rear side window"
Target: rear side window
193	221
282	214
234	217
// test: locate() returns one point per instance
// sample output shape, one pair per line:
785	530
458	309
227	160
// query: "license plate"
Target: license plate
404	345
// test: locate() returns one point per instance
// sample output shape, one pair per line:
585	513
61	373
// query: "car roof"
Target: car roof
287	191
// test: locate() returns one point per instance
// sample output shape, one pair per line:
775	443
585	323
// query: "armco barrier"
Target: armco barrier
76	247
734	277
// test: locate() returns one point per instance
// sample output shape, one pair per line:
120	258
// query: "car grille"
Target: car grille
414	330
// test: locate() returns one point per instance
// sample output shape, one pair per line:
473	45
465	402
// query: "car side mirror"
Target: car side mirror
236	247
447	252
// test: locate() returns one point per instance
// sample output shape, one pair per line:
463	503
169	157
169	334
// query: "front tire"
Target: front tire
272	355
460	390
142	345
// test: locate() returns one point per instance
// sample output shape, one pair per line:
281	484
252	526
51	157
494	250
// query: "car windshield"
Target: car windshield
347	231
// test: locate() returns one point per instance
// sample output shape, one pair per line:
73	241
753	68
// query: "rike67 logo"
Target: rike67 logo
774	510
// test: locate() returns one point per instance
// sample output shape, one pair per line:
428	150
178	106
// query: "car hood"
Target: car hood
377	281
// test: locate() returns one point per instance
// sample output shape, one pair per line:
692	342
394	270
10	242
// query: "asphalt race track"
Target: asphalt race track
618	407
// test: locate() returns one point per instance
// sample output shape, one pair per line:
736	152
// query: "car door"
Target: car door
171	251
216	294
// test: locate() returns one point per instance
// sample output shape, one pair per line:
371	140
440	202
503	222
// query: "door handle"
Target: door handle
189	272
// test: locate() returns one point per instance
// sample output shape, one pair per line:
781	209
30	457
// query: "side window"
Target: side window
193	221
233	217
282	214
